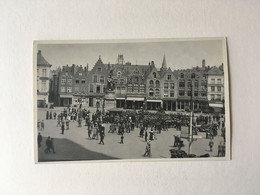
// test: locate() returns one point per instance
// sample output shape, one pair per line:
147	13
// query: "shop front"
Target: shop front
153	104
65	100
135	103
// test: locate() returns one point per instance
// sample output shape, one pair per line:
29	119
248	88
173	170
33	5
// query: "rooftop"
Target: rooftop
41	60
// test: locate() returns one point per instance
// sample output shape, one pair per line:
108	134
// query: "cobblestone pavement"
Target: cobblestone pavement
75	144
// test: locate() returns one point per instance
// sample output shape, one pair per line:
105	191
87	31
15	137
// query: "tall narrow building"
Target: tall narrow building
43	80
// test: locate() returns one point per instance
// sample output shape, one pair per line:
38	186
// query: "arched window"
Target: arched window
119	74
151	93
182	75
157	92
151	83
157	83
193	75
154	74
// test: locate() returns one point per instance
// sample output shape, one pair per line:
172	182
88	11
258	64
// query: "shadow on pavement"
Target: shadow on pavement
66	150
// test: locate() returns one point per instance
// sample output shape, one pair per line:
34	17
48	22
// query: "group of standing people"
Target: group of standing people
49	143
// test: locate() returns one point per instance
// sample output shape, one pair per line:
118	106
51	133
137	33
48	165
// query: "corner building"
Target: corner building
43	80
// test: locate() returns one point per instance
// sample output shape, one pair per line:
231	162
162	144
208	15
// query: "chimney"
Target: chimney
203	63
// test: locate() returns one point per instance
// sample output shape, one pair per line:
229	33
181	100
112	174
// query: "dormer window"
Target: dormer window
154	75
99	69
169	77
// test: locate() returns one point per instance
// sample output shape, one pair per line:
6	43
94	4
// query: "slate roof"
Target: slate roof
215	71
41	60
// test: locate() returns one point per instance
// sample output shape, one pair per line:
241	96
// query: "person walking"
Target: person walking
145	136
176	140
79	122
122	139
90	126
220	150
39	140
42	125
223	150
211	143
50	114
47	150
148	149
68	124
58	121
47	115
102	136
62	128
52	146
38	125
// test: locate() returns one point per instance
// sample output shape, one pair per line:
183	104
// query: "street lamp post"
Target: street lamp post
191	114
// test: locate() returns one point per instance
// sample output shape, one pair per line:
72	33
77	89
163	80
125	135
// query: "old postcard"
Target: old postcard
122	100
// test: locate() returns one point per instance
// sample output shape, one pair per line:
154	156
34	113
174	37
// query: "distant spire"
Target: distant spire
164	67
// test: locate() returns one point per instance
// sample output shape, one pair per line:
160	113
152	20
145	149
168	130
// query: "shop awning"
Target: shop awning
66	96
216	105
158	101
135	99
120	98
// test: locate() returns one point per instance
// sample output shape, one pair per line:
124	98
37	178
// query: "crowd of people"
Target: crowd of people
121	122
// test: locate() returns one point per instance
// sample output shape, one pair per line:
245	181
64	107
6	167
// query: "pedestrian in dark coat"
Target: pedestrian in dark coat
102	136
211	143
223	150
145	135
219	150
47	115
39	140
122	139
62	128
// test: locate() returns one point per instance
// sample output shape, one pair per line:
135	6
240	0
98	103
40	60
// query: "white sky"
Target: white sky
179	54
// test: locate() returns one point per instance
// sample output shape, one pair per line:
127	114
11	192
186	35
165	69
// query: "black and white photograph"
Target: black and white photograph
135	99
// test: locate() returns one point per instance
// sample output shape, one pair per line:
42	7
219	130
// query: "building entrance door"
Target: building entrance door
91	102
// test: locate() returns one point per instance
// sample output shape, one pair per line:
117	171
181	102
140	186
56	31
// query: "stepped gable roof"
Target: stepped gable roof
215	71
99	61
41	60
81	70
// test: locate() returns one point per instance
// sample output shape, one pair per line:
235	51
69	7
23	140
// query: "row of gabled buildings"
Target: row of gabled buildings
137	86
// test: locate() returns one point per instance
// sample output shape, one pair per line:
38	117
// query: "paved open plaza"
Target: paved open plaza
75	144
